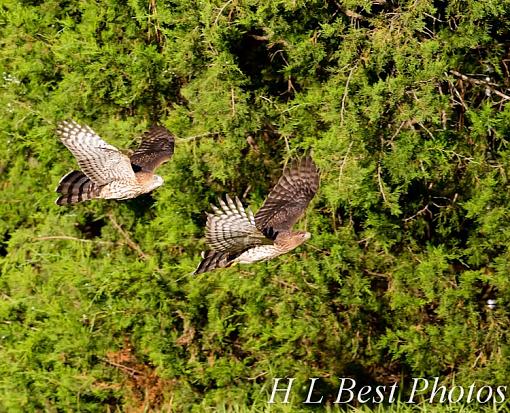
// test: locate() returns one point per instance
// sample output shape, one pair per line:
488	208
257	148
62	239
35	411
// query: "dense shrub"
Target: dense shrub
403	106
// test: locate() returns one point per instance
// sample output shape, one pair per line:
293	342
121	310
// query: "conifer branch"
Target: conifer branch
396	132
257	376
420	212
133	245
233	101
489	85
122	367
425	129
344	161
381	189
200	135
344	97
69	238
461	100
221	11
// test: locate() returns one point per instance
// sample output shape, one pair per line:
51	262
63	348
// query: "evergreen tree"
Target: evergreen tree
403	105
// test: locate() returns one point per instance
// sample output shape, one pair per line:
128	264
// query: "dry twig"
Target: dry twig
201	135
133	245
344	161
344	97
122	367
381	189
489	85
420	212
69	238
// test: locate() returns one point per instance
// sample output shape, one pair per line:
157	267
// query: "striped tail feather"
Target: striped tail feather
76	187
213	259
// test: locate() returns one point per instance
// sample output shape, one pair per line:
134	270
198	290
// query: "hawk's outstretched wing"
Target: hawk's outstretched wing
289	198
101	162
232	229
157	147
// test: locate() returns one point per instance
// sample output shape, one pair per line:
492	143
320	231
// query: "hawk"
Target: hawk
105	171
235	235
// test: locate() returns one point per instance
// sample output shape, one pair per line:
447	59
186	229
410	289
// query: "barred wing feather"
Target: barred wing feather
232	229
100	161
157	146
289	198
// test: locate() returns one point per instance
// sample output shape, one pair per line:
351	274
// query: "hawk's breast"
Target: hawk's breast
260	253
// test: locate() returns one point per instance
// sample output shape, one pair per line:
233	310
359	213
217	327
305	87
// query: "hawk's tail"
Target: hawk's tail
76	187
213	259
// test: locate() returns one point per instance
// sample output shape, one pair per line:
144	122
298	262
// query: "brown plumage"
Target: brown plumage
157	147
76	187
235	235
106	172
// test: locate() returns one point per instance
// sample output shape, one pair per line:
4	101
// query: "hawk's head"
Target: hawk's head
157	181
301	236
291	240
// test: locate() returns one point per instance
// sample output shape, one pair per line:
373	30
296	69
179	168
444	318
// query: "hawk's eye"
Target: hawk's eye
136	168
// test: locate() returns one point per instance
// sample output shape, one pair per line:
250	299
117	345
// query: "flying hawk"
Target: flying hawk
235	235
105	171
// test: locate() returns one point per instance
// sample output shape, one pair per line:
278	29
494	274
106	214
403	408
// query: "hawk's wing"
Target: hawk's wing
289	198
157	147
101	162
232	229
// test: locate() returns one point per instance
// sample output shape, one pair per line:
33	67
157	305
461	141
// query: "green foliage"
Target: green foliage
403	106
